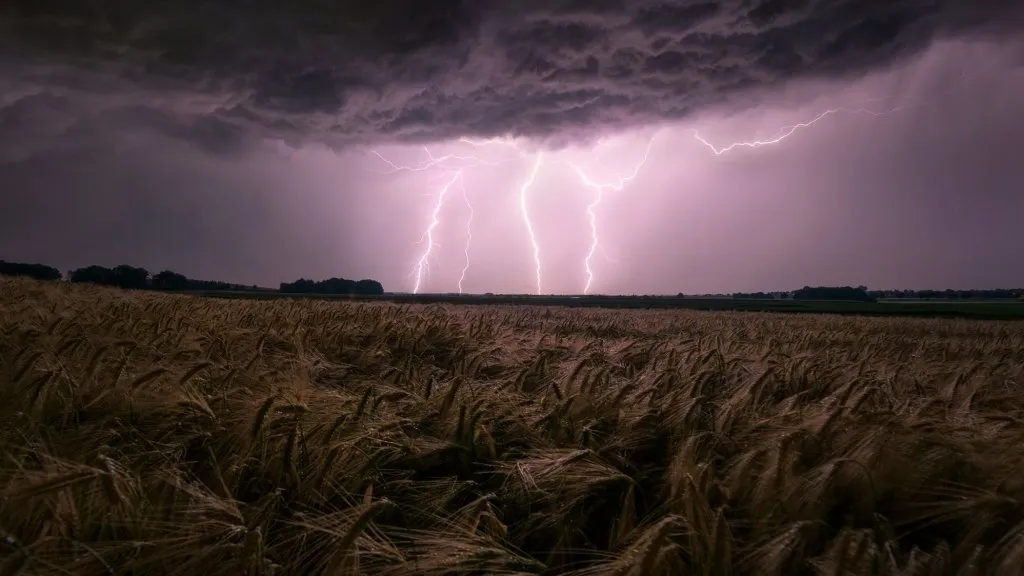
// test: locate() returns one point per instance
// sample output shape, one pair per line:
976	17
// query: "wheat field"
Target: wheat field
154	434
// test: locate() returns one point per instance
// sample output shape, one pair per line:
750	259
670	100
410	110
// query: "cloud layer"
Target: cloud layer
143	133
226	72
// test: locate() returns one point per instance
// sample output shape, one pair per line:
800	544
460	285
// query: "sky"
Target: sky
519	146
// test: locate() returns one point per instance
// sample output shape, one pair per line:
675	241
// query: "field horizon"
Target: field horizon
1003	309
151	433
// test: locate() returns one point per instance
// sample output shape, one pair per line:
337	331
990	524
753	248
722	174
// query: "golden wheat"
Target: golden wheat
154	434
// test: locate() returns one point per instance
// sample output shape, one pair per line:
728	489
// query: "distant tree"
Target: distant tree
131	277
332	286
369	287
136	278
833	293
93	275
300	286
753	296
122	276
335	286
168	280
37	271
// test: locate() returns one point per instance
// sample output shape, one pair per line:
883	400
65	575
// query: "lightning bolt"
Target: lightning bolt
449	162
524	191
469	232
787	131
424	262
436	162
525	212
600	188
454	166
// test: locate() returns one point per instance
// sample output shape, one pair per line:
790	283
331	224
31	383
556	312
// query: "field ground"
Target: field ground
160	434
990	310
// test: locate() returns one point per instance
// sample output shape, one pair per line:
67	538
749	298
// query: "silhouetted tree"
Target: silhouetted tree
122	276
300	286
136	278
173	281
93	275
37	271
859	293
332	286
369	287
131	277
754	295
335	286
167	280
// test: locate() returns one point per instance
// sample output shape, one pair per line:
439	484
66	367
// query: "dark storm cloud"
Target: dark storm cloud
228	71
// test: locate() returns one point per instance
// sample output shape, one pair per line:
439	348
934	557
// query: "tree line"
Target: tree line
136	278
950	294
849	293
332	286
37	271
862	294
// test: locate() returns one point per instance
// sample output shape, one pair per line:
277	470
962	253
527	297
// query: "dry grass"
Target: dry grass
153	434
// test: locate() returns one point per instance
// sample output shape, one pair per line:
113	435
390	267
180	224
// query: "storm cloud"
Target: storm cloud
228	140
224	73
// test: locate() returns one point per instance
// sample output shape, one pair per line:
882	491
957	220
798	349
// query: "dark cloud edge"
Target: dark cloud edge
342	74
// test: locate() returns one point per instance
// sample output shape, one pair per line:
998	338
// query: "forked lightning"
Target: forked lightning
453	167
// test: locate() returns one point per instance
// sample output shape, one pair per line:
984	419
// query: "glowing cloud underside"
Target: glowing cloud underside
452	168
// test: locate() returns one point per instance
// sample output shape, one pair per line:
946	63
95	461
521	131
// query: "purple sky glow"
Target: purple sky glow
170	161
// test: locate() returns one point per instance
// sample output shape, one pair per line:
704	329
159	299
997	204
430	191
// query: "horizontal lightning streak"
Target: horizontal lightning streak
492	142
786	131
437	162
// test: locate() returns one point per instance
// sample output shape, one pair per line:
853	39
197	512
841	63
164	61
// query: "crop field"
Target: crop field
156	434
